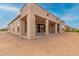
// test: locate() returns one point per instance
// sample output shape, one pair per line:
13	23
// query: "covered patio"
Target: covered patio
41	26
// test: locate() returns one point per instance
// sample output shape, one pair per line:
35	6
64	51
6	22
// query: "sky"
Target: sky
69	12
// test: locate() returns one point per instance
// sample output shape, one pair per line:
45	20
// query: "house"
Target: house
35	21
68	28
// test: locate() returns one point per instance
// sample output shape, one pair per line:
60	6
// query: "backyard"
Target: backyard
60	44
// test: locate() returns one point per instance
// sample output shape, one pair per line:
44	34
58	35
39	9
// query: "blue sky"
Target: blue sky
65	11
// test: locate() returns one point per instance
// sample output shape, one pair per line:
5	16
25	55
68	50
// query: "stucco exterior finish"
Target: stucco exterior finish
28	20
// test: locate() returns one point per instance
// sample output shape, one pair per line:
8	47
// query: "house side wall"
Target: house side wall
15	26
31	10
23	12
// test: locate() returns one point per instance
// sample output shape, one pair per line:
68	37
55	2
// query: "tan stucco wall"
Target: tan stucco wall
14	25
30	10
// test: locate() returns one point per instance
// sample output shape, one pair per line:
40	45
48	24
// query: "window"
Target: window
37	28
40	28
17	29
13	29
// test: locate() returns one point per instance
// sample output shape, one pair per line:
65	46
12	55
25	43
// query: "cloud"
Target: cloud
1	17
73	9
70	17
71	14
9	8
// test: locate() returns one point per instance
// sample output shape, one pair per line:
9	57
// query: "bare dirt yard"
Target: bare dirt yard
61	44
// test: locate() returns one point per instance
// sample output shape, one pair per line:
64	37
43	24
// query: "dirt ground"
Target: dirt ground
61	44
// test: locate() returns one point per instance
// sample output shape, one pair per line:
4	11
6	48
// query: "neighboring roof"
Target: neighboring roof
67	26
14	19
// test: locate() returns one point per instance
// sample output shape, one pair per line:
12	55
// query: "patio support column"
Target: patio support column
60	29
55	28
30	27
47	27
30	24
20	26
